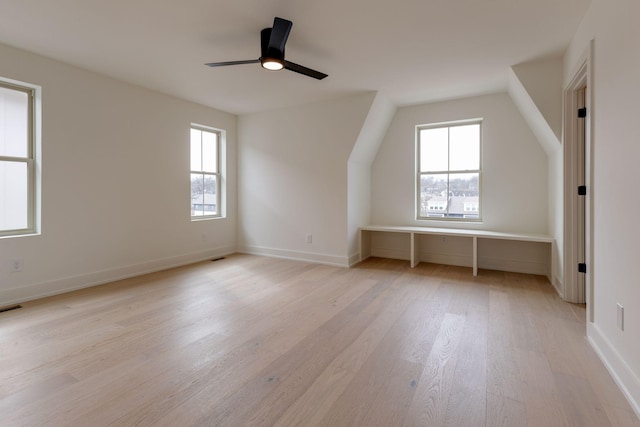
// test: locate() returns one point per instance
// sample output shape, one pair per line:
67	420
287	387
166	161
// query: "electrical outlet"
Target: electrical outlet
620	312
309	238
16	265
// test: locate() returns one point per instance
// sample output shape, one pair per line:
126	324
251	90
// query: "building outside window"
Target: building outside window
449	171
18	156
205	172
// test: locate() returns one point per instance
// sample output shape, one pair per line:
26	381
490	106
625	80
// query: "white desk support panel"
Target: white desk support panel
365	239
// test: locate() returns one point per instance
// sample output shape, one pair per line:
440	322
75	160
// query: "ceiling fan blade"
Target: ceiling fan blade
304	70
279	35
265	36
222	64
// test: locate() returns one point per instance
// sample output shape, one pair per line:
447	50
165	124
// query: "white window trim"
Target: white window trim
442	217
220	175
33	159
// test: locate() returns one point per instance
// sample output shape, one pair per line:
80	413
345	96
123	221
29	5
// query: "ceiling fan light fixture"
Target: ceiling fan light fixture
272	64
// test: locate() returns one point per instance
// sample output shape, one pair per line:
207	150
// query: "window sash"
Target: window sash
218	211
447	213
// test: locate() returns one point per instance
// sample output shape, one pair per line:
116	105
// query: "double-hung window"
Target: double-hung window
17	160
205	173
448	171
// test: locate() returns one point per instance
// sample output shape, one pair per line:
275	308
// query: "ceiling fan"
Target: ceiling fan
272	41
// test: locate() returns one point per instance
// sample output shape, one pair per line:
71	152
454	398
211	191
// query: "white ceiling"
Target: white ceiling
412	51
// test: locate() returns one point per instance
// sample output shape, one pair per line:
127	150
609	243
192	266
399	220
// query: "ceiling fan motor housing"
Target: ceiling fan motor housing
271	58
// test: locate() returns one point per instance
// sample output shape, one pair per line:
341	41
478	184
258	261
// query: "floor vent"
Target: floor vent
9	308
217	259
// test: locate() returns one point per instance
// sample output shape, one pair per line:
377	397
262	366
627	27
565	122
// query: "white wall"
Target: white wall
555	168
359	169
536	89
615	89
115	186
514	177
293	178
542	79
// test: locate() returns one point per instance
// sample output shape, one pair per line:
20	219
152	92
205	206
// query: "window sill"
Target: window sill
441	221
206	218
17	235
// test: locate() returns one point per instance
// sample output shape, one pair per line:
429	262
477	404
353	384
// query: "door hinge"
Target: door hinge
582	112
582	190
582	267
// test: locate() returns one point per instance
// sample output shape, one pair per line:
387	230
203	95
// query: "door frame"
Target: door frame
572	292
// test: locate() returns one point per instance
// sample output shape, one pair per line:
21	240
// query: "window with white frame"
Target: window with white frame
205	172
449	171
18	167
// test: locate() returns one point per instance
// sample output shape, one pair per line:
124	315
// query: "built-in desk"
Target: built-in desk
473	235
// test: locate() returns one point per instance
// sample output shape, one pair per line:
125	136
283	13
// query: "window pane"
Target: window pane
210	195
14	190
464	189
433	195
196	150
197	194
209	152
210	184
464	147
434	150
14	123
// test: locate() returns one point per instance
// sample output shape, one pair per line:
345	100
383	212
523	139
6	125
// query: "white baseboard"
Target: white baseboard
557	284
622	374
315	258
73	283
354	259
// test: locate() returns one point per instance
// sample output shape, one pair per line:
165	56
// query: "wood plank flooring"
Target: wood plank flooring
253	341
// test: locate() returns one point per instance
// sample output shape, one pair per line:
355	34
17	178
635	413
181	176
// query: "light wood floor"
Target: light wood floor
257	341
